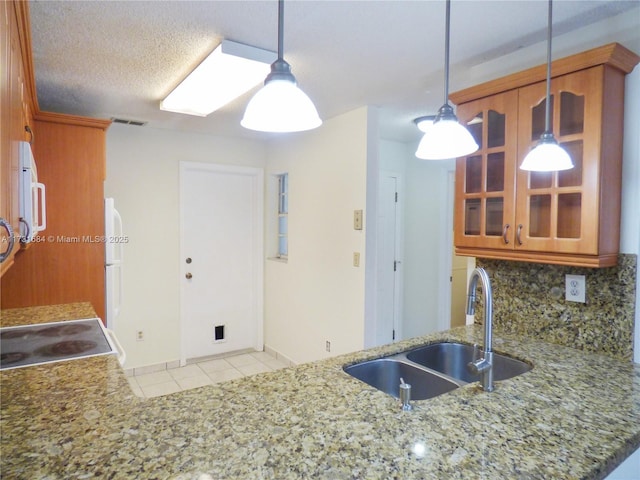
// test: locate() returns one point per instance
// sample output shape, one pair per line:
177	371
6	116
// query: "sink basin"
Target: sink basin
385	373
452	358
431	370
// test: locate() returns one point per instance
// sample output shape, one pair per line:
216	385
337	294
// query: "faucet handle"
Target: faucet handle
472	366
476	352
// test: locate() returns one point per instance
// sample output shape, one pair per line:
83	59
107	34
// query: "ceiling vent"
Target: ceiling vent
128	122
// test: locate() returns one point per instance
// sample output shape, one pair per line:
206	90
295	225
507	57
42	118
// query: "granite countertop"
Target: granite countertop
574	415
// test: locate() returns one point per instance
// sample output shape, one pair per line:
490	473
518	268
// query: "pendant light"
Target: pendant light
548	155
280	106
446	138
424	123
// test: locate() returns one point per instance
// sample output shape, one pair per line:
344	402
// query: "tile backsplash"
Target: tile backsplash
529	300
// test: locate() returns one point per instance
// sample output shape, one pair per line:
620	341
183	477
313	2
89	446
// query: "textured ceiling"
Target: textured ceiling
119	59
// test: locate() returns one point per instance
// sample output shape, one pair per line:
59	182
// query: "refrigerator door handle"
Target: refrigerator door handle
116	308
119	235
113	293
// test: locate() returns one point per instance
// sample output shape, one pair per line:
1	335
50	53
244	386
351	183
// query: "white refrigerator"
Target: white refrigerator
114	243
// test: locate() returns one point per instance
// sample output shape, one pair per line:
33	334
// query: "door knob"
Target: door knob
188	276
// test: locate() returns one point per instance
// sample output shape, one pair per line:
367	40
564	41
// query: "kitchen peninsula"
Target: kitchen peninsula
574	415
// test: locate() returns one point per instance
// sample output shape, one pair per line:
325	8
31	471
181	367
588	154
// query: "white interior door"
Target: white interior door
221	248
388	284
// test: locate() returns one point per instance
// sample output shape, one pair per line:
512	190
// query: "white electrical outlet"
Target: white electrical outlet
356	259
576	286
139	335
328	346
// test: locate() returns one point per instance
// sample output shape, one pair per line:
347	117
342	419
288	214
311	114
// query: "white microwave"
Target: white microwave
33	202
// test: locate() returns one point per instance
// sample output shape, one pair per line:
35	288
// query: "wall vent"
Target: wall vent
135	123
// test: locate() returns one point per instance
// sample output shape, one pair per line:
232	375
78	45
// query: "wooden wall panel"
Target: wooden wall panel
67	264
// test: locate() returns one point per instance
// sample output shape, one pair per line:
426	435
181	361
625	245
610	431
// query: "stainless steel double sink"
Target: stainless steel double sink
431	370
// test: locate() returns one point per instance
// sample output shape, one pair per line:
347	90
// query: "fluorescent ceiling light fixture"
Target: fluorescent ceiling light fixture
446	138
547	155
229	71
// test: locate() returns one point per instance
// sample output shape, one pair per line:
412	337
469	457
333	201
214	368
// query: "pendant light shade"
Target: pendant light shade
547	155
280	106
446	138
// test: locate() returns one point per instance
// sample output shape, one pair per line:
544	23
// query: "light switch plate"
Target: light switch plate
576	286
357	219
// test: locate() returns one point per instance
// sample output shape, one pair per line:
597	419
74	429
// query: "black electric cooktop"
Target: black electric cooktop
28	345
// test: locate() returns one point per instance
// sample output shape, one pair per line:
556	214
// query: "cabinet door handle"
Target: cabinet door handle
518	232
7	226
504	234
27	129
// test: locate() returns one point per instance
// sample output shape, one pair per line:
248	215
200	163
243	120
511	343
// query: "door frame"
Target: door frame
258	241
399	252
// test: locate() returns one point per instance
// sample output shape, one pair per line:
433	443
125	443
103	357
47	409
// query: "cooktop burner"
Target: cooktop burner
52	342
60	330
13	357
67	347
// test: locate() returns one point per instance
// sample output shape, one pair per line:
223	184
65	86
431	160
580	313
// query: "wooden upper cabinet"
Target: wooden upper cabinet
11	132
67	266
485	180
570	217
559	211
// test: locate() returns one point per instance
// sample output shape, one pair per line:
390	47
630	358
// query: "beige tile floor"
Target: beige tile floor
203	373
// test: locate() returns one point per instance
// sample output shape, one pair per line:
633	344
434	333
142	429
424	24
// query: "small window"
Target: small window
283	212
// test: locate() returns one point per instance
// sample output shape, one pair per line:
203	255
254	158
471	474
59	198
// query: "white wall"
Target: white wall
393	156
318	295
143	177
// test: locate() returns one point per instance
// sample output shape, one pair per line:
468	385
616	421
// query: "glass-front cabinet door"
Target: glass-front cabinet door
485	180
553	211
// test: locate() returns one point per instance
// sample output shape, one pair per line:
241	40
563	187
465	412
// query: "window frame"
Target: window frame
282	211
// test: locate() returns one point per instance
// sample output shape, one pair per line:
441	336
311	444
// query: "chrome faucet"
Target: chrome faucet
482	366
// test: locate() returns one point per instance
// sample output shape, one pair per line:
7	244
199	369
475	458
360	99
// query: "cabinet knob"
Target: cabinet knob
188	276
188	260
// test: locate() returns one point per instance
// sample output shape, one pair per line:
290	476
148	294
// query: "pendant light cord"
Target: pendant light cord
446	53
280	29
547	107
